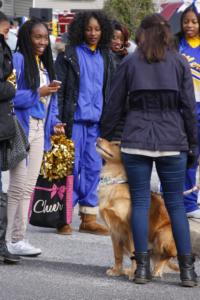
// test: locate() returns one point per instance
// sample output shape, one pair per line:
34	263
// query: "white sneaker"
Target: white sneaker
194	214
23	248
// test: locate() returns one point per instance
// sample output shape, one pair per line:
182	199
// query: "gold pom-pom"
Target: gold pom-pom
58	162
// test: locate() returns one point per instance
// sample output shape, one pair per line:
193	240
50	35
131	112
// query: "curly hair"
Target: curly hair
77	28
24	46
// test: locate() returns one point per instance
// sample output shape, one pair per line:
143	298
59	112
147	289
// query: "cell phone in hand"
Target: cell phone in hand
55	83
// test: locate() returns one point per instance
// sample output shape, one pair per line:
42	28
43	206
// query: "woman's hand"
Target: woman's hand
46	90
59	128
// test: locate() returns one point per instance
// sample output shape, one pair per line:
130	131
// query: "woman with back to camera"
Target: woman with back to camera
35	104
160	126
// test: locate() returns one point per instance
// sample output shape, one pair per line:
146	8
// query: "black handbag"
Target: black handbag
14	150
51	202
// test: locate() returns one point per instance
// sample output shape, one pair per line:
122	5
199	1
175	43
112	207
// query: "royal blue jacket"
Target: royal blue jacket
26	98
90	99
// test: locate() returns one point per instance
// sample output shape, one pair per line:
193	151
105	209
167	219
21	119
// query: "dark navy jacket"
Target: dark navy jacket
162	113
7	92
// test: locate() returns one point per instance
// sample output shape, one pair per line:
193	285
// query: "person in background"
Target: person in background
35	105
85	69
7	92
189	46
160	126
119	46
119	42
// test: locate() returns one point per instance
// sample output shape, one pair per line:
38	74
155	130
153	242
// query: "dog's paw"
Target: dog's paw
157	273
114	272
129	272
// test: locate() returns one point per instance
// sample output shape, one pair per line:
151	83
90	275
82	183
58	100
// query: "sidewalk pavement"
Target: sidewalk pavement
195	235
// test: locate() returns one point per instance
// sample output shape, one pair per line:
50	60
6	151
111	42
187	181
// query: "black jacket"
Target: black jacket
162	114
7	92
67	71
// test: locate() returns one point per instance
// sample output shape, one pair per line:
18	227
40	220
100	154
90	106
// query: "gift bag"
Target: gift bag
51	202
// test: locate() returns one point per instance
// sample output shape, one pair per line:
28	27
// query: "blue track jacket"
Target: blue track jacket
25	99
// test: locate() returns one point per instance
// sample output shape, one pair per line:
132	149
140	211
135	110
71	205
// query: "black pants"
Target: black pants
3	216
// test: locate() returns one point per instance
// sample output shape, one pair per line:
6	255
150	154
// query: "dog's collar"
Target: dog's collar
109	180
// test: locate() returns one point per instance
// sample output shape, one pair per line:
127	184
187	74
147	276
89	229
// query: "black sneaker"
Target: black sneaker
6	256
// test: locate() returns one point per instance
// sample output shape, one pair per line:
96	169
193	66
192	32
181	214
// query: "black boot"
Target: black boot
187	272
5	255
143	272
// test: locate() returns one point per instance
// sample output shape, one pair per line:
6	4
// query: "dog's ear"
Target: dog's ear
117	143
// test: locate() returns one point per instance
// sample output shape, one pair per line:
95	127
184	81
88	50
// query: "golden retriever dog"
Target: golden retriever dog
115	210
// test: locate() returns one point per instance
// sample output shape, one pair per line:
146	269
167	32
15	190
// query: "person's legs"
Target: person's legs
91	164
5	255
171	171
138	169
190	200
15	196
22	181
3	213
78	137
86	174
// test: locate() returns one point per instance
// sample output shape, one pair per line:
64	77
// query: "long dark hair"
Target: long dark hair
154	37
76	29
24	46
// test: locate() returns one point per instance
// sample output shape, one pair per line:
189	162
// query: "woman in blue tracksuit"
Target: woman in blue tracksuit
35	104
85	70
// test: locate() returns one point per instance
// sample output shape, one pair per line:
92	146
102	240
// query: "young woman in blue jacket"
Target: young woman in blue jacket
35	105
85	71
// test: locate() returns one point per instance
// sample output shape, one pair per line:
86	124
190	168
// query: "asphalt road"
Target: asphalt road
74	267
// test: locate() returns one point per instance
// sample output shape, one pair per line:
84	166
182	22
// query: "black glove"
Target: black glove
192	159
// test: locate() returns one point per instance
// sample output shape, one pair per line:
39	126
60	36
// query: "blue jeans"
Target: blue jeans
171	171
